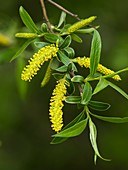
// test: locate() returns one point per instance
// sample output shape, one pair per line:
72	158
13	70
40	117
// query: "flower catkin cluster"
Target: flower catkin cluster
80	24
85	61
56	105
44	54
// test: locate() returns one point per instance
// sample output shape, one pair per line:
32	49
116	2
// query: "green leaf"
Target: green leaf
62	68
87	94
69	52
22	48
41	44
80	117
100	106
93	137
112	119
62	19
85	31
73	99
54	63
95	52
27	20
78	79
53	38
63	58
101	85
118	89
44	28
74	130
76	38
66	42
58	76
70	88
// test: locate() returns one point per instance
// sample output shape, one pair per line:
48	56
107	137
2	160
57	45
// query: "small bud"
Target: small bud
26	35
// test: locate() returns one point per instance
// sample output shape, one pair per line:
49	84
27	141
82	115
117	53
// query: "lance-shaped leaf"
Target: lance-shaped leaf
112	119
41	44
74	130
76	38
22	48
87	94
101	85
118	89
80	117
62	19
62	68
73	99
69	52
93	137
58	76
53	38
78	79
66	42
63	58
95	52
27	20
100	106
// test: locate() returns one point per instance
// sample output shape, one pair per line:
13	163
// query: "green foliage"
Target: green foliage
63	67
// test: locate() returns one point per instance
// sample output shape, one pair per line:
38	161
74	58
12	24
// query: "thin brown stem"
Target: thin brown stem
45	15
63	9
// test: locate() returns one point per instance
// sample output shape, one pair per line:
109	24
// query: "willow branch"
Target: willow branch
63	9
45	15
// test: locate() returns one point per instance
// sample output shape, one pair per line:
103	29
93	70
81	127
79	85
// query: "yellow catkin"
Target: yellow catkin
38	59
56	105
85	61
26	35
4	40
80	24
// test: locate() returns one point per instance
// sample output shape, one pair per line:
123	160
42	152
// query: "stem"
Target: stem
63	9
45	15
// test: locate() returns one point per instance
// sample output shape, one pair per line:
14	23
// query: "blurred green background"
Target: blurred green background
25	131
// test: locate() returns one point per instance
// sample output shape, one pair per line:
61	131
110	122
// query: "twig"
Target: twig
63	9
45	15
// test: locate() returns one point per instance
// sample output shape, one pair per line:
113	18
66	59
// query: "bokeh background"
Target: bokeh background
25	132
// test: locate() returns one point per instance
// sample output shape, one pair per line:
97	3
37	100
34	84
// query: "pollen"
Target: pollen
81	24
85	61
56	105
38	59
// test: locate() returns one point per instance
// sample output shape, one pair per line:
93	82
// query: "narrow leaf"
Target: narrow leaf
100	106
76	38
85	31
93	137
22	48
77	79
66	42
69	52
95	52
62	68
73	99
58	76
74	130
80	117
41	44
119	90
52	37
101	85
112	119
62	19
27	20
87	94
63	58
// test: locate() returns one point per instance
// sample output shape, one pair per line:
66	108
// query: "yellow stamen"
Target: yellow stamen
85	61
38	59
56	105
